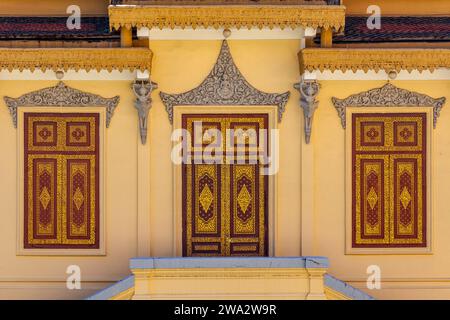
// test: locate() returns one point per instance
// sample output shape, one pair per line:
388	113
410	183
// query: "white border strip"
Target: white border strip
438	74
217	34
38	74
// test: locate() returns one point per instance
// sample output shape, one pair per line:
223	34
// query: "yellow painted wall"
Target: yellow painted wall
404	276
225	284
178	66
399	7
44	277
270	66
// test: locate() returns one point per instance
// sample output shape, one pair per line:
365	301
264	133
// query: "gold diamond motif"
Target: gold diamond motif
372	198
44	198
78	198
244	198
405	198
206	198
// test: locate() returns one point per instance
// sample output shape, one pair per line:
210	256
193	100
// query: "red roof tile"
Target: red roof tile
396	29
53	28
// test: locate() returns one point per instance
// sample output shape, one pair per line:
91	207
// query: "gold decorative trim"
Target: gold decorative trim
315	16
76	59
124	295
312	59
232	273
334	295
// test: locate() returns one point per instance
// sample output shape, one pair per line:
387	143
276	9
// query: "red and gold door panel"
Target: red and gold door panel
225	207
389	180
61	191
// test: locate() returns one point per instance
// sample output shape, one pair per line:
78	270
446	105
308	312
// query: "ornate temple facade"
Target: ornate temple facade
207	149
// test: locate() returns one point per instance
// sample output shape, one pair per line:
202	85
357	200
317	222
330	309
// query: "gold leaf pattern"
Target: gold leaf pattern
206	198
76	58
372	198
44	198
220	16
373	59
225	190
62	162
244	198
78	198
399	196
405	198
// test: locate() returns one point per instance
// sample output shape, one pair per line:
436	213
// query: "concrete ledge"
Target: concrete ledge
114	290
240	262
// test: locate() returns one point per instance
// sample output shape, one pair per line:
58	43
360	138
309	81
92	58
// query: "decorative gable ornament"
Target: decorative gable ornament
225	85
61	96
388	96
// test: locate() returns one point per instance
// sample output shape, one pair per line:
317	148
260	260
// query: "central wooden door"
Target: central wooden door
225	196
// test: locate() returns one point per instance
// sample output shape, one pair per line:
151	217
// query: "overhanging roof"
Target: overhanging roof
396	29
55	29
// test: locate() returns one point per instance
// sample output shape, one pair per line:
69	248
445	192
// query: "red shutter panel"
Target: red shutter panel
61	180
388	180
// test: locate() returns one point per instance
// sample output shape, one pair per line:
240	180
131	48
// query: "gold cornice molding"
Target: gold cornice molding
312	59
314	16
76	59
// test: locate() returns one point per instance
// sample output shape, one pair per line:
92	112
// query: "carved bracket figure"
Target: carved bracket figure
61	96
143	90
309	90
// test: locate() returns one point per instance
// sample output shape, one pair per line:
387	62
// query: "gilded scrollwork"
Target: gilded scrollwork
333	59
61	96
76	59
225	85
223	16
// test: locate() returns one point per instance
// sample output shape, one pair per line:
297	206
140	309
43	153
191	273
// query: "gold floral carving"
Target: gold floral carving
354	59
76	59
314	16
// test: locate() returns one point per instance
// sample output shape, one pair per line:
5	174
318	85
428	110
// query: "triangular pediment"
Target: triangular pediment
388	96
225	85
61	95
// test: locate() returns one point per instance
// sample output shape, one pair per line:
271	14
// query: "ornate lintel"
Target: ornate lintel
143	90
388	96
225	85
61	96
309	90
387	59
76	59
228	16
